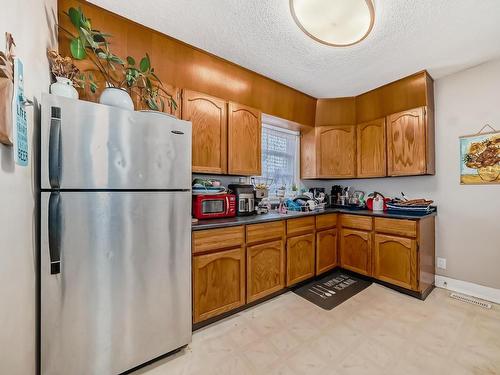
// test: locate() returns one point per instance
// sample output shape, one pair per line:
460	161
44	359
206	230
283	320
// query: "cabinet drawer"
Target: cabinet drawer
407	228
215	239
300	225
265	231
357	222
326	221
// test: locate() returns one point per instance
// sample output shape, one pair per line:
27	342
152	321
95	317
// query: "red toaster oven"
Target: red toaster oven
214	206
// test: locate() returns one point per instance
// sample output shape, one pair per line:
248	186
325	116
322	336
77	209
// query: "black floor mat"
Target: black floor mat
333	289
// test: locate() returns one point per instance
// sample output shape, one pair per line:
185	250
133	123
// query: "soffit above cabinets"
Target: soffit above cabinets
441	36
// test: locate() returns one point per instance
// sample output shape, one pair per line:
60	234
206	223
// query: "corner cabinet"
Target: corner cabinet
371	149
244	140
209	118
409	144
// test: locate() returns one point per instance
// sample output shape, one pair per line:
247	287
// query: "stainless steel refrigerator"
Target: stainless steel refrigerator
115	227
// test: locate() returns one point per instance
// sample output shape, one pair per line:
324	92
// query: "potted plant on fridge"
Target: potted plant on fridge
122	76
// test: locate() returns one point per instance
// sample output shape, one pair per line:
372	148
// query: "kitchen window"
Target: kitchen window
280	157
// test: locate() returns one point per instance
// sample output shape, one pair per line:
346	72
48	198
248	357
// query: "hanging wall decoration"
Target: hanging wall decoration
6	90
480	158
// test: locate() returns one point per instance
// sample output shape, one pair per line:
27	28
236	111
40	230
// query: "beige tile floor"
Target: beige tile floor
378	331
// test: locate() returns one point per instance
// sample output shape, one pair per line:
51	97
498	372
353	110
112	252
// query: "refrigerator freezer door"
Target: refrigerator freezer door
86	145
121	295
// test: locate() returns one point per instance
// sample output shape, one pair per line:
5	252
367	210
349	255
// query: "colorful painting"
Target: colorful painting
480	159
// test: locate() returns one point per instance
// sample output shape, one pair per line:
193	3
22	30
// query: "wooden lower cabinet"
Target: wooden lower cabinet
355	251
300	258
218	283
395	260
326	250
265	269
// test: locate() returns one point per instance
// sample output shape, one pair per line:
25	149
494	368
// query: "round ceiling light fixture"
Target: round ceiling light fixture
338	23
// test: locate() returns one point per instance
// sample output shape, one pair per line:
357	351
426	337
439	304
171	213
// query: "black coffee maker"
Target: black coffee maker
335	193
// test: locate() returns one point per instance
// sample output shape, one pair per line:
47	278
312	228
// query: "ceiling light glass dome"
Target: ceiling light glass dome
334	22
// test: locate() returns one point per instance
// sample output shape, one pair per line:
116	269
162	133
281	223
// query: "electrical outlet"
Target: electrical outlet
441	263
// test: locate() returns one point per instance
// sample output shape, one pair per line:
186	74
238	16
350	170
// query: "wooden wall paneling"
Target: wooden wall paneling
406	143
336	111
218	283
308	165
336	151
403	94
371	149
185	66
369	106
244	140
265	269
209	118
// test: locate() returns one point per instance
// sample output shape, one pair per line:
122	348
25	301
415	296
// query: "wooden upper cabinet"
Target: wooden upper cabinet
218	283
265	269
396	260
336	151
244	140
371	149
406	143
209	118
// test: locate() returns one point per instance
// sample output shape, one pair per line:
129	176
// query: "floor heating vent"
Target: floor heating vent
472	300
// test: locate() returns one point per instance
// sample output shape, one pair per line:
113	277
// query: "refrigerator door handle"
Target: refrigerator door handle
54	228
54	147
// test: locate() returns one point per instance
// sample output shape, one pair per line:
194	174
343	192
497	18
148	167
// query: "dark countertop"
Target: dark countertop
273	216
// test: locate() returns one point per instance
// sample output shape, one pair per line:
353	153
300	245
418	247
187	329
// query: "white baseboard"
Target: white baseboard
471	289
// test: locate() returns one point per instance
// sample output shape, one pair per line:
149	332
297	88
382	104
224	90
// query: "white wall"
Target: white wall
468	221
28	21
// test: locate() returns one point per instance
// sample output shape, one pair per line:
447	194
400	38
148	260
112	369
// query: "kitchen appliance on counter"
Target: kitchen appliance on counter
114	237
214	206
245	198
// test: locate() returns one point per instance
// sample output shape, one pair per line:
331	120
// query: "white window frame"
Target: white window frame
296	179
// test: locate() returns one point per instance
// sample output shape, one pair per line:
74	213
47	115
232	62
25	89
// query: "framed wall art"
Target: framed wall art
480	158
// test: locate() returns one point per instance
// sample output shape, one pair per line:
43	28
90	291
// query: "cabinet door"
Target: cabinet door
173	91
336	151
218	283
209	118
406	151
371	149
300	258
244	145
308	154
326	250
265	269
355	251
396	260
